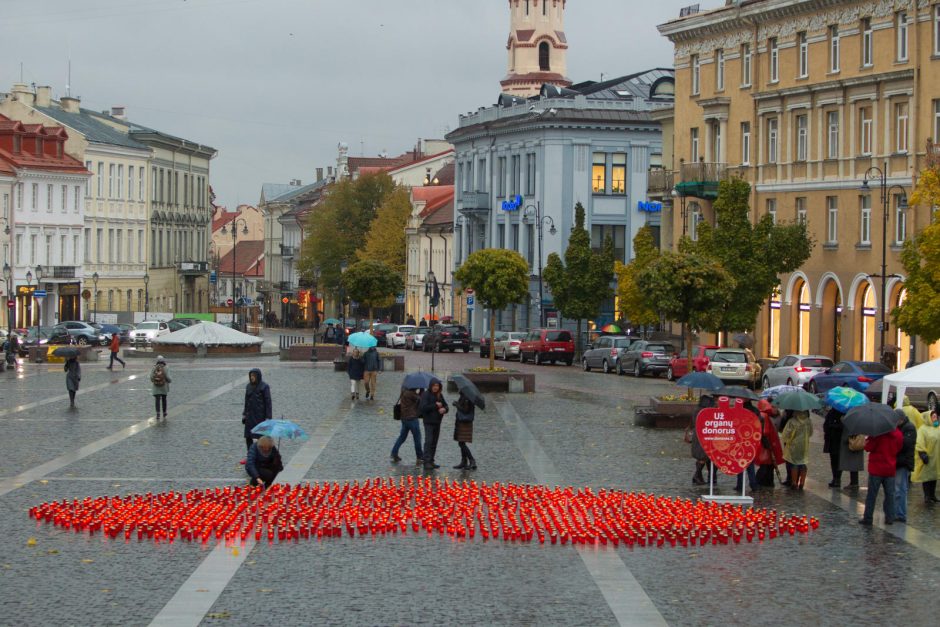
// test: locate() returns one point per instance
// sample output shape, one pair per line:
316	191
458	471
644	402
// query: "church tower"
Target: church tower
537	47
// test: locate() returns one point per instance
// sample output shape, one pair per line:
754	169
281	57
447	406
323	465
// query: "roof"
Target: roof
209	334
278	192
441	215
28	159
446	175
225	218
635	85
247	254
91	128
432	195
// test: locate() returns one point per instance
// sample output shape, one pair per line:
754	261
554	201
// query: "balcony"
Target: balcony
659	181
701	179
476	202
194	268
289	252
61	272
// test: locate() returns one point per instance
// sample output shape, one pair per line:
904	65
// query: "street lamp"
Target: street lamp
540	221
94	281
146	295
8	276
39	302
29	303
675	194
234	227
433	301
342	303
882	175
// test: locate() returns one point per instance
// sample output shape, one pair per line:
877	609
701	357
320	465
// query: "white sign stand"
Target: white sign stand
711	497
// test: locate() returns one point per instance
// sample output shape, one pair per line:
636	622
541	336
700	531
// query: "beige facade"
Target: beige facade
537	47
253	222
804	99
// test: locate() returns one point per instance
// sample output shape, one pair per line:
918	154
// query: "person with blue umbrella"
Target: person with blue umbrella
264	462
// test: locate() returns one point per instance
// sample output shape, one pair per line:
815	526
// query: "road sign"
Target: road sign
212	277
471	301
469	291
229	302
11	303
285	300
39	294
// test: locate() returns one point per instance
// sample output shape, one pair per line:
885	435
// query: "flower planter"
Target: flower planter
506	382
304	352
393	363
667	414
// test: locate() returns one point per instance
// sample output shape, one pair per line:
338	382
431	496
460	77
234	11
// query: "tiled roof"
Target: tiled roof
442	215
225	219
94	130
445	176
28	158
248	254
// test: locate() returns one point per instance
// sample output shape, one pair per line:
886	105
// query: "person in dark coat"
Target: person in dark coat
904	465
329	335
411	320
372	364
850	461
463	432
73	377
257	405
698	453
356	369
160	385
410	423
832	435
433	406
752	468
264	462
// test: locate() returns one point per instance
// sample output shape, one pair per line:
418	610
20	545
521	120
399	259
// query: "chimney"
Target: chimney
22	93
117	111
319	174
329	171
43	96
71	104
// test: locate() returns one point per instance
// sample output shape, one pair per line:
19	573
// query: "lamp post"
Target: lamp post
882	176
675	194
146	295
94	281
234	227
7	277
29	303
432	303
342	303
39	302
540	221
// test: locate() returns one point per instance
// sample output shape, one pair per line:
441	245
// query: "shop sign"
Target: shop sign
513	204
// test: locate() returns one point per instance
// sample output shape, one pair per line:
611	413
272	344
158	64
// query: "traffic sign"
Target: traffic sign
212	277
39	294
471	301
229	302
11	303
285	300
469	291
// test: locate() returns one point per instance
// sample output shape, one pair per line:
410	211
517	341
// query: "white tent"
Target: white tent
924	375
209	334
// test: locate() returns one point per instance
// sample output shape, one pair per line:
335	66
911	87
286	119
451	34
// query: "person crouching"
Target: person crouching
264	462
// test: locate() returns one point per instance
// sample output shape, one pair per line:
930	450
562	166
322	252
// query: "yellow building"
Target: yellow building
805	99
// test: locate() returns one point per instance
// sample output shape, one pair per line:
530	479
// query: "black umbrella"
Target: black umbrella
737	391
66	351
468	389
744	339
870	419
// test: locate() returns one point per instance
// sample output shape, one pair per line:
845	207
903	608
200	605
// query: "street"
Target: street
577	430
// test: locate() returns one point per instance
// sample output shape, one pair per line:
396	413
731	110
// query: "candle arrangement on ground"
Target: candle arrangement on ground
461	510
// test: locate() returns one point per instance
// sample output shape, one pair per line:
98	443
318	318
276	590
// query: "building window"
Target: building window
515	237
76	200
50	192
834	48
719	69
140	183
901	126
716	141
900	219
34	201
745	143
62	245
902	35
832	222
936	29
110	300
866	42
832	120
19	249
130	182
745	65
696	74
501	235
33	246
693	145
19	195
801	210
599	173
618	173
501	177
864	236
617	234
75	250
545	64
99	241
111	169
803	52
100	179
530	244
87	245
865	130
481	177
772	209
695	217
65	199
802	137
120	182
774	60
772	140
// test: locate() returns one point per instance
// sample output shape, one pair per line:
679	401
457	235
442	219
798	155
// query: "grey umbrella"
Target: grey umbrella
470	390
870	419
737	391
744	339
66	351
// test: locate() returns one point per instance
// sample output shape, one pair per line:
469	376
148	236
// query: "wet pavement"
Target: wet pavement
576	430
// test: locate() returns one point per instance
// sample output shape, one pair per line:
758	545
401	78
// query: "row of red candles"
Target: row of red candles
459	509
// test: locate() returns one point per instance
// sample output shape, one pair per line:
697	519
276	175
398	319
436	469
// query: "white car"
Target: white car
507	344
148	330
737	366
795	370
396	338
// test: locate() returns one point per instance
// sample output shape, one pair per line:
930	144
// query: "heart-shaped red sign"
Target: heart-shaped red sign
729	435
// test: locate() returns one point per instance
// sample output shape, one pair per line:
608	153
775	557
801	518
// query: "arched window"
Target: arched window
544	56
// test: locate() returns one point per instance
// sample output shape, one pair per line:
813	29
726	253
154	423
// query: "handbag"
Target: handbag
687	436
857	442
396	410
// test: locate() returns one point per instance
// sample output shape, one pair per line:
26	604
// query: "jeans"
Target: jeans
751	478
432	431
114	358
874	484
158	400
412	426
901	482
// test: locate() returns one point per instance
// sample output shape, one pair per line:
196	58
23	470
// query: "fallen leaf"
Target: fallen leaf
251	563
218	615
7	567
202	589
205	442
44	481
235	552
88	561
265	590
52	552
31	542
106	590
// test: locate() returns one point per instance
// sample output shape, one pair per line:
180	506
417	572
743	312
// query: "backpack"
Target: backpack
158	376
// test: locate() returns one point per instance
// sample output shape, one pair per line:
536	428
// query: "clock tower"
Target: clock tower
537	47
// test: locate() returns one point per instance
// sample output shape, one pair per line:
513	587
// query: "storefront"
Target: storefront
70	306
26	312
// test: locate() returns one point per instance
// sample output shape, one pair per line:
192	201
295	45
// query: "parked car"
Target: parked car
547	346
795	370
84	333
924	399
32	337
701	357
109	330
380	332
605	351
507	345
186	322
645	356
414	341
855	374
485	342
148	330
736	365
396	338
450	337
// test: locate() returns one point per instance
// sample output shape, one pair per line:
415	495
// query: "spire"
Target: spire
537	47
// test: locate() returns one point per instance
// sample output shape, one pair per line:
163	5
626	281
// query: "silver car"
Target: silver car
795	370
736	365
605	352
506	344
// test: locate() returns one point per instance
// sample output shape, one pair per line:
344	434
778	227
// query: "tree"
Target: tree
688	288
634	303
372	283
386	238
499	278
756	254
581	283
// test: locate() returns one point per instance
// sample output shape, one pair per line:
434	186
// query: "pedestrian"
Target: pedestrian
882	465
850	461
372	364
73	377
411	320
832	436
409	402
770	454
463	432
904	464
423	323
329	336
115	351
356	369
751	469
263	462
160	381
433	406
912	414
795	438
927	462
698	453
257	405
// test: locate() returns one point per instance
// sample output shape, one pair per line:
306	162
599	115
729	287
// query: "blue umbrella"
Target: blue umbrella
281	429
331	321
363	340
777	390
845	398
417	380
700	380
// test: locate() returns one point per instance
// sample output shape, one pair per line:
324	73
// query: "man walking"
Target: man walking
372	364
904	464
115	351
882	465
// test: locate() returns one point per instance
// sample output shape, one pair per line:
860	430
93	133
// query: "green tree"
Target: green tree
919	315
581	283
688	288
499	278
372	283
385	240
756	254
634	304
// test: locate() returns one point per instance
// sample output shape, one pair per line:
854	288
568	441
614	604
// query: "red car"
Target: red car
701	357
547	346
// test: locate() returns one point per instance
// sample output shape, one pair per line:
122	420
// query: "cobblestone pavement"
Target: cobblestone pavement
580	423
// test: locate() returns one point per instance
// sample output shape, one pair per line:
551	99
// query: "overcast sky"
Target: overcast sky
274	85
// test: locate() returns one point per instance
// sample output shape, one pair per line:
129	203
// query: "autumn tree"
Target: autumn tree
385	240
634	304
372	283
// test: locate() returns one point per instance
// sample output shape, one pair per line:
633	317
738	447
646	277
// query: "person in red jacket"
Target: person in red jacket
115	351
770	454
882	465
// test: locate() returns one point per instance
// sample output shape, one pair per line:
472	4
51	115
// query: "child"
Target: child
356	369
796	435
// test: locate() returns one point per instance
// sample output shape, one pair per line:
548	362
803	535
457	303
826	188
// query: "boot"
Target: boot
463	463
802	479
794	479
697	478
472	463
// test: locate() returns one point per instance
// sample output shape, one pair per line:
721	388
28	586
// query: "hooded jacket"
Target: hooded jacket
371	360
428	406
883	453
908	431
410	401
911	412
257	403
